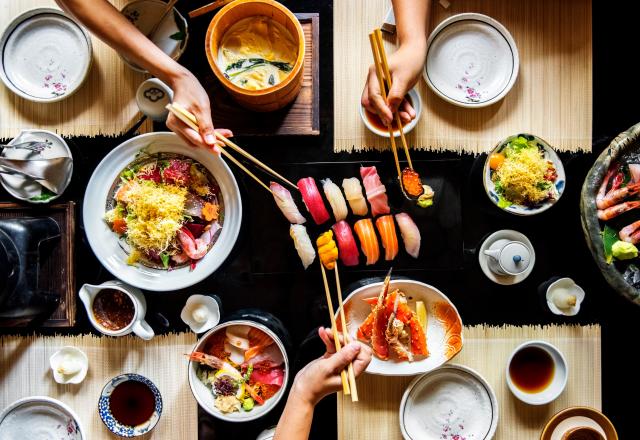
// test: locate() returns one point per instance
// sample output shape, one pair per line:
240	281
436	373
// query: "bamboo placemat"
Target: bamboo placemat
24	371
551	98
104	105
486	350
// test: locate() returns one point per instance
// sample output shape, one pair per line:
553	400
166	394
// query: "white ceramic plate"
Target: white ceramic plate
357	310
549	155
104	242
472	60
40	417
26	189
203	394
449	403
45	55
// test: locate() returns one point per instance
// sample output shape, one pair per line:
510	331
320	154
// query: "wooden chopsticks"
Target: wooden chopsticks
188	118
168	8
208	8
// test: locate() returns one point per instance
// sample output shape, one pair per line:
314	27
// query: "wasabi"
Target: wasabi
247	404
622	250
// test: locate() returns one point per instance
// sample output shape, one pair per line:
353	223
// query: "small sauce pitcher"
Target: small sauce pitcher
508	257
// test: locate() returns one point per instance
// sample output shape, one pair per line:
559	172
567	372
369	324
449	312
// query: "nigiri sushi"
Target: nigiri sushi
303	244
410	234
368	240
348	250
387	231
313	200
376	191
327	249
336	199
353	192
286	204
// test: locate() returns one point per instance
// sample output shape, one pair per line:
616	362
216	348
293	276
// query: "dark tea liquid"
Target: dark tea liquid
377	122
132	403
532	369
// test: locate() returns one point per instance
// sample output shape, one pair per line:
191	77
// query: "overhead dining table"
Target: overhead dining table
252	277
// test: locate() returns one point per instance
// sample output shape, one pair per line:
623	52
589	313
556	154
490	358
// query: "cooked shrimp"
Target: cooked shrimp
614	211
616	196
630	233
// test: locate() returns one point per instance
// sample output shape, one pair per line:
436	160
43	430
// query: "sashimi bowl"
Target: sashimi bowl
238	371
427	325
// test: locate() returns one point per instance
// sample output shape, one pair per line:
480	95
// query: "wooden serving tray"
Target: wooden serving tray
302	117
58	272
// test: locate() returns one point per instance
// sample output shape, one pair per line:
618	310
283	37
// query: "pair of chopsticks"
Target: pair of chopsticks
208	8
348	377
168	8
189	118
384	77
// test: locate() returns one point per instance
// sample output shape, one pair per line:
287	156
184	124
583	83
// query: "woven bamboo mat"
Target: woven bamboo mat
24	371
551	98
486	350
104	105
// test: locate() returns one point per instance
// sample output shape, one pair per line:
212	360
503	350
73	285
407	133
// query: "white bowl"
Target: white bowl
472	60
45	56
573	288
47	410
406	128
104	242
203	394
357	310
558	383
73	352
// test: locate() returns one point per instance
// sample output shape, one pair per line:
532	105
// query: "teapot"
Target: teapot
508	257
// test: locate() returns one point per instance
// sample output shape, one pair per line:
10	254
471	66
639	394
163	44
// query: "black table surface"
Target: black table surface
263	271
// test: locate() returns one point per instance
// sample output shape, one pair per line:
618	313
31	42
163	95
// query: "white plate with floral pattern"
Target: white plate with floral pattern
39	417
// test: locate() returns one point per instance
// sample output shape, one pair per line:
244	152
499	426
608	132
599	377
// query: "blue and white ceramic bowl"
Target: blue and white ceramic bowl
126	430
524	210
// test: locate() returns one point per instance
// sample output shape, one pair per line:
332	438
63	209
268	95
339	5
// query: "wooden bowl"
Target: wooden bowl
271	98
598	419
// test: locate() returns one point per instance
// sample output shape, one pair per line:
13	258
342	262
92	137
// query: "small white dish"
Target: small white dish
201	313
38	417
558	382
45	56
26	189
472	60
557	294
452	401
69	365
152	98
417	106
496	241
172	34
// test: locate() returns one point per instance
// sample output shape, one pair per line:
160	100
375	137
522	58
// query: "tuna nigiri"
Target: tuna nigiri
336	199
286	204
353	193
410	234
303	244
376	191
347	248
368	240
387	231
313	200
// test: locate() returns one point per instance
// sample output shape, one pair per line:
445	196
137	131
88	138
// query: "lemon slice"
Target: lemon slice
421	311
234	376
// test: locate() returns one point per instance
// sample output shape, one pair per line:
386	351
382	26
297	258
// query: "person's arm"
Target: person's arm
316	380
405	64
108	24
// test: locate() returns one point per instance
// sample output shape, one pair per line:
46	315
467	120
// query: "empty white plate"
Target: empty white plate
472	60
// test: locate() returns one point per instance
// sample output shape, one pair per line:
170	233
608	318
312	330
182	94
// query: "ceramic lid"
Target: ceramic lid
515	257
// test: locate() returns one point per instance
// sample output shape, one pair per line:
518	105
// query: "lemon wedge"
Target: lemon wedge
421	311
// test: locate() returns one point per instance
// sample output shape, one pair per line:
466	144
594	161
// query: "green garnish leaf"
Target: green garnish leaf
45	195
609	237
165	260
247	375
272	80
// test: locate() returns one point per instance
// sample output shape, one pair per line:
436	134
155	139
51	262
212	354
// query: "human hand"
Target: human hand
322	376
188	92
405	66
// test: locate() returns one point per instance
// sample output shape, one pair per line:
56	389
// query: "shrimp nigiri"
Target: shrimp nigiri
303	244
410	234
353	192
336	199
368	240
286	204
376	191
387	230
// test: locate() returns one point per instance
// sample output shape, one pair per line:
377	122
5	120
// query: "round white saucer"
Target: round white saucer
507	235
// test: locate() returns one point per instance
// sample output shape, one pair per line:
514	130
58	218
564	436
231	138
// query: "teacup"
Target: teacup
135	324
508	257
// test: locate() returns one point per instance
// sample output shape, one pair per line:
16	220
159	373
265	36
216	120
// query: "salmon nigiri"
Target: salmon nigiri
368	240
387	230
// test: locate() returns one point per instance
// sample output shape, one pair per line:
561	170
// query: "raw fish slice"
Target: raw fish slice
368	240
313	200
286	204
347	248
303	245
376	191
271	357
410	234
273	376
387	231
336	199
353	193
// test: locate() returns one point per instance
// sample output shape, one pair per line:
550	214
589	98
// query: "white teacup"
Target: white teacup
137	325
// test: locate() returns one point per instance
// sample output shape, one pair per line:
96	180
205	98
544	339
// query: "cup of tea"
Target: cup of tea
130	405
373	122
536	372
116	309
